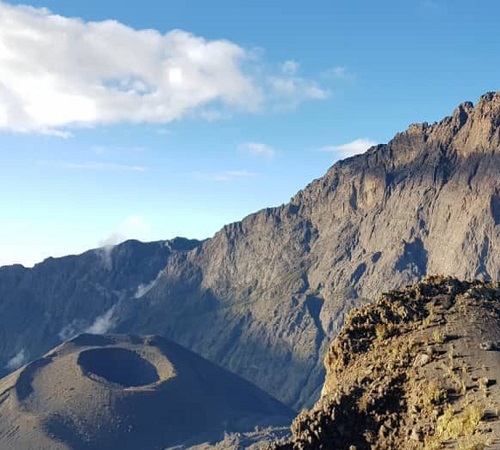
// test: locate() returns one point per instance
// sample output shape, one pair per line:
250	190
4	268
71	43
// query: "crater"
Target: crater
119	366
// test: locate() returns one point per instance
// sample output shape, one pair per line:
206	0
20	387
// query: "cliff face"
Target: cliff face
418	369
265	296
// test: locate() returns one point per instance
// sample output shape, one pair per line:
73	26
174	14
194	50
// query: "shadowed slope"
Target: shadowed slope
127	392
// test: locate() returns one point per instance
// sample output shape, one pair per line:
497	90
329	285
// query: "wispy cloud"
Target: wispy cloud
96	166
71	329
227	175
107	149
131	227
433	5
338	73
143	289
103	323
18	360
287	92
258	149
59	73
351	148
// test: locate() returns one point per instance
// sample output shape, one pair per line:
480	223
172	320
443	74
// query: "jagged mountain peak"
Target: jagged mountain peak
470	128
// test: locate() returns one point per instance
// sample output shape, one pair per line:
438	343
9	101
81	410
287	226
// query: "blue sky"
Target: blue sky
109	132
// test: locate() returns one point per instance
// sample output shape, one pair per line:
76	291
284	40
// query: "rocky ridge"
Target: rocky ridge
418	369
272	291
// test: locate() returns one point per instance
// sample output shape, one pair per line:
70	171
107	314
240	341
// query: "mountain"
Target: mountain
265	296
62	297
418	369
127	392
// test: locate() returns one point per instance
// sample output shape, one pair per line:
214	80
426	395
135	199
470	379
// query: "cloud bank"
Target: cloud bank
58	73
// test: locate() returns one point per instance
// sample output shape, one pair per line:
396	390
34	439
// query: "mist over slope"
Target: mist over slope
265	296
62	297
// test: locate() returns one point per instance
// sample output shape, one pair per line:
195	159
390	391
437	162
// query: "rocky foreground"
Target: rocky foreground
418	369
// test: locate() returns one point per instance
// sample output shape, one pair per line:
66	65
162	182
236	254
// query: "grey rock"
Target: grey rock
487	346
62	297
265	296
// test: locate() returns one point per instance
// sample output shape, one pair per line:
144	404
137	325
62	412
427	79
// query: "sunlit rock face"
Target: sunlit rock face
265	296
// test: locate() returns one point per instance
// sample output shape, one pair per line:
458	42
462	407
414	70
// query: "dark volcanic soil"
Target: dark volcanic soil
127	393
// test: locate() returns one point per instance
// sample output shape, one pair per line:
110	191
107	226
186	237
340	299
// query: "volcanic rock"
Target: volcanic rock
265	296
377	395
127	392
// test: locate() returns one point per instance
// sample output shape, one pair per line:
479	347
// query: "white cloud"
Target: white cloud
290	67
351	148
58	73
133	227
18	360
258	149
227	175
103	323
289	91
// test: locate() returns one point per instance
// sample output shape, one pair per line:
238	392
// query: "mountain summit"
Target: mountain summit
265	296
470	128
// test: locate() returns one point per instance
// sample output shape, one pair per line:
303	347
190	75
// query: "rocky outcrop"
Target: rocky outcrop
417	369
127	393
265	296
